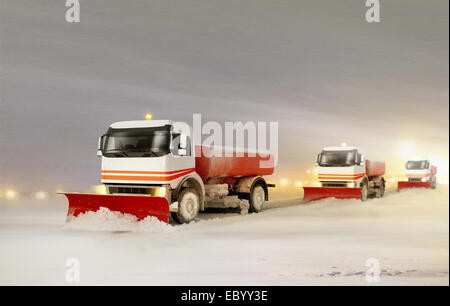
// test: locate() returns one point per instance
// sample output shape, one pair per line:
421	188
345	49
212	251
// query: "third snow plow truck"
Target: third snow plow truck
153	168
420	174
344	173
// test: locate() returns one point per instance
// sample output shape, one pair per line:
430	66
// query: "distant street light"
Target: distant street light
11	194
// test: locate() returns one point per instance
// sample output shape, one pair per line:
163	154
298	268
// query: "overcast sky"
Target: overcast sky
316	67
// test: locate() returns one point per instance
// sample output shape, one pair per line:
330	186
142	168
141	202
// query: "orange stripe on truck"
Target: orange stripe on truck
357	174
146	178
146	172
340	176
418	175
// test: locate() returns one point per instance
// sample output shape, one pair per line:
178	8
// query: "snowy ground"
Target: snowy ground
325	243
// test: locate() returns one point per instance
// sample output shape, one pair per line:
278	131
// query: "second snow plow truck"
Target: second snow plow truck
345	173
153	168
420	174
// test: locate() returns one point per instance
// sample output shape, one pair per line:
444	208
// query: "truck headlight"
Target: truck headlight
161	192
351	185
424	179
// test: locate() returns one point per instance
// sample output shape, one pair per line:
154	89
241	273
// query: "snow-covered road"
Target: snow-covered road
325	243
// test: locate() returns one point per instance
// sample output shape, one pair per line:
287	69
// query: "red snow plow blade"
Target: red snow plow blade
406	184
137	205
318	193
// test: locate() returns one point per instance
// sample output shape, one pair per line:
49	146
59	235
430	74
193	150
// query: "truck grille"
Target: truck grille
129	190
332	184
415	179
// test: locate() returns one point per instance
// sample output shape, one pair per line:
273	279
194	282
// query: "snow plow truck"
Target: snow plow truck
344	173
420	174
153	168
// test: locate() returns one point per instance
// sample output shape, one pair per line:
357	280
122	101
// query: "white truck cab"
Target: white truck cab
340	167
147	152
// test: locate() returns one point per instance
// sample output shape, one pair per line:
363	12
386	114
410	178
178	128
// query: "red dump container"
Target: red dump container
375	168
209	166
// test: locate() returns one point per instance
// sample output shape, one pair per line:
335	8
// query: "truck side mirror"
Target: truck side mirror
317	159
183	141
100	145
182	146
358	159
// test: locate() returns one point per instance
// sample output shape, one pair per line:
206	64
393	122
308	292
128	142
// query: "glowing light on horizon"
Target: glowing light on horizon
41	195
11	194
284	182
298	184
343	144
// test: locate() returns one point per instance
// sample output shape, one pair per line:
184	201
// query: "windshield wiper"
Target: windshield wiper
117	151
151	153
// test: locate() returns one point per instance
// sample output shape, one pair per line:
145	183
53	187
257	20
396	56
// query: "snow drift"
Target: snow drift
107	220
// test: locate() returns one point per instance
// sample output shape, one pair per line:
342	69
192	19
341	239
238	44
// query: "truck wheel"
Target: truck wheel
188	205
257	199
380	192
433	183
364	192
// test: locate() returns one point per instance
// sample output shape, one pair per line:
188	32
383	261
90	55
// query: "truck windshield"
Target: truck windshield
417	164
137	142
337	158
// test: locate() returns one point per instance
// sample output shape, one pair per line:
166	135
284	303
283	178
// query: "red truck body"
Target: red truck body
375	168
210	167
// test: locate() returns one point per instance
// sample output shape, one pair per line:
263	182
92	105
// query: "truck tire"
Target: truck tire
380	192
433	183
188	206
257	198
364	191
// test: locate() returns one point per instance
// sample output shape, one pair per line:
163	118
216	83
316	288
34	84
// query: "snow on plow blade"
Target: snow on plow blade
318	193
137	205
406	184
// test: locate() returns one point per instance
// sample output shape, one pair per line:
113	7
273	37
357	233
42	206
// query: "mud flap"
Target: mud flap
406	184
137	205
318	193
